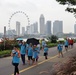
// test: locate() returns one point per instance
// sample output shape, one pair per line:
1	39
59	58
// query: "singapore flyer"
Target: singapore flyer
19	16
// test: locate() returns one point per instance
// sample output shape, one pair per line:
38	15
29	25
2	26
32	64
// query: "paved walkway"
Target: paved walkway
44	67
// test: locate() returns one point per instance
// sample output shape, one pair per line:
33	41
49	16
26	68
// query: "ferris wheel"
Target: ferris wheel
9	22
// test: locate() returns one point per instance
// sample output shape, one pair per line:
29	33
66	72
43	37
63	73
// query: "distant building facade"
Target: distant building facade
11	32
48	28
35	27
18	28
57	27
42	24
23	30
28	30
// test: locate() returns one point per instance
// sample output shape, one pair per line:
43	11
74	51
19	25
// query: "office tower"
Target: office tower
17	28
23	30
48	28
42	24
28	29
35	27
57	27
75	29
32	28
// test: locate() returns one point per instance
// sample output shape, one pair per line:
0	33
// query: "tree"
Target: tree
71	5
53	39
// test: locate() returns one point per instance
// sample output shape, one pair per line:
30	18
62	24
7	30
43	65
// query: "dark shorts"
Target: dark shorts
29	57
71	43
66	46
45	54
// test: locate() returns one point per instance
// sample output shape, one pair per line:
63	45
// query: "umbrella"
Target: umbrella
33	41
19	39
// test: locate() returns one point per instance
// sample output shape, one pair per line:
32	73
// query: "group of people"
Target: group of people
67	44
32	52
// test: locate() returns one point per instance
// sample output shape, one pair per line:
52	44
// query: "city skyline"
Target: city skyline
34	8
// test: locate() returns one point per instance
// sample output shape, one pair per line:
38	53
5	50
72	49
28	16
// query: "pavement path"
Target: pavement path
43	67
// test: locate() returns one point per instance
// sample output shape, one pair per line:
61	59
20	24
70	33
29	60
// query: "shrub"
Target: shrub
5	53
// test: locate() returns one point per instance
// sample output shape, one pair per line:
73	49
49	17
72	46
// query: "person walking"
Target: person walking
16	59
43	44
59	48
45	51
30	53
35	55
66	44
22	51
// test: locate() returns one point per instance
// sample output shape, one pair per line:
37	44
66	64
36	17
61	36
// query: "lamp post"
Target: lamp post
4	35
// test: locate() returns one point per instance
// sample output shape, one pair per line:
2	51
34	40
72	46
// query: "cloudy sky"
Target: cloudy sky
34	8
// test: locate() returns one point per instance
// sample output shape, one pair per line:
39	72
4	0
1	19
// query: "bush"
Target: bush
5	53
53	39
52	45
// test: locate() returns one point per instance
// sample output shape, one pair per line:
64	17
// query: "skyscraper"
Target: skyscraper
32	28
57	27
23	30
48	28
28	29
17	28
35	27
42	24
75	29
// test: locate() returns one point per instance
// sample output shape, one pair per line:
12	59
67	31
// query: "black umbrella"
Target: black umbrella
33	41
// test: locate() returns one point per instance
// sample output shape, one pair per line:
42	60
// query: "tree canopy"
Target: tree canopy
71	5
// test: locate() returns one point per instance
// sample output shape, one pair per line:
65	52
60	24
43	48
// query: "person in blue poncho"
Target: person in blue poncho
66	43
35	54
29	53
59	48
45	51
23	51
16	59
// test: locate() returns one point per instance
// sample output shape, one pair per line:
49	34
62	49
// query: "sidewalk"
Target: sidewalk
57	62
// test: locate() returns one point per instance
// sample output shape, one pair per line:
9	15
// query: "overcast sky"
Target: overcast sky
34	8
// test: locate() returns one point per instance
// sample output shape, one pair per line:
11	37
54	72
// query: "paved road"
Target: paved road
43	65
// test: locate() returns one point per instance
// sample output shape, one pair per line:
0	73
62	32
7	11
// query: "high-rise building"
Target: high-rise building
28	29
42	24
23	30
35	27
75	29
32	28
17	28
48	28
57	27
